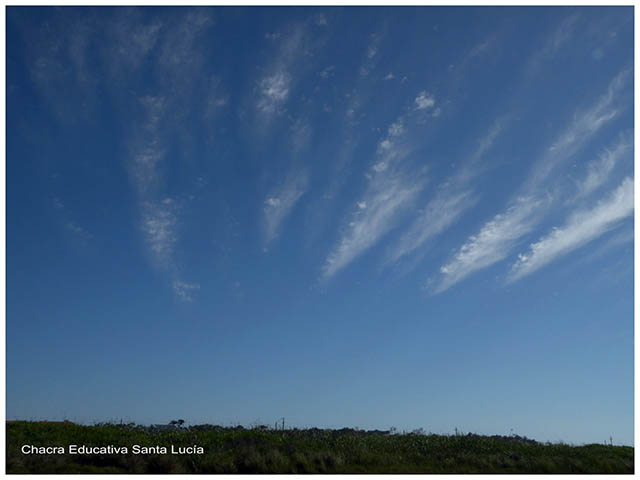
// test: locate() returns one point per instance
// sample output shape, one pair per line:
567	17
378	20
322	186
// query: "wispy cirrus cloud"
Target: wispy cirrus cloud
178	54
392	148
389	192
398	142
158	217
372	51
598	171
387	196
132	39
440	213
169	48
173	49
459	72
79	231
160	224
452	198
62	54
563	33
622	238
274	91
583	127
159	221
498	237
424	101
147	150
280	202
356	101
287	67
486	142
216	97
553	43
581	228
327	72
493	243
57	53
277	82
184	291
57	203
300	134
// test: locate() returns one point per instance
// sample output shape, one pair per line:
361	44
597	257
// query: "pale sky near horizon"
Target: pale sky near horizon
418	217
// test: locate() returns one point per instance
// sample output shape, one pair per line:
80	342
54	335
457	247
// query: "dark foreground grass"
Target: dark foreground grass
236	450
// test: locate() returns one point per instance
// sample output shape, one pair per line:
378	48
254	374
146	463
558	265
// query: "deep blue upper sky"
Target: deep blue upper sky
366	217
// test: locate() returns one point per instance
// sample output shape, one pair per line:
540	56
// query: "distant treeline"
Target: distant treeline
262	449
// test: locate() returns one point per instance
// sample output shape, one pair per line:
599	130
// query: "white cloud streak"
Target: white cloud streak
183	290
372	51
389	193
280	202
274	91
394	147
492	244
440	213
424	101
159	220
124	42
598	171
581	228
487	141
554	43
328	72
452	199
584	126
159	216
620	239
300	134
79	231
147	151
181	54
276	84
387	196
216	97
499	236
131	41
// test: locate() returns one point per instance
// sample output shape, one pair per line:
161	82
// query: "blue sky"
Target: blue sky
365	217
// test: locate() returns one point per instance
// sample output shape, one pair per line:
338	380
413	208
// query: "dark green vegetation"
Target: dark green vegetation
260	450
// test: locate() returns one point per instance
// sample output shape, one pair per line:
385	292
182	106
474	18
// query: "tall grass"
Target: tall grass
259	450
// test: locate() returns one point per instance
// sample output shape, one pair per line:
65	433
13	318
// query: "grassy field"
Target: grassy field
260	450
